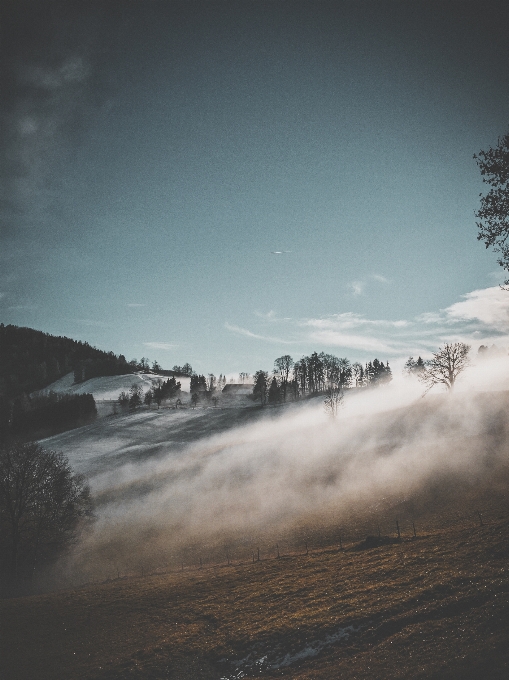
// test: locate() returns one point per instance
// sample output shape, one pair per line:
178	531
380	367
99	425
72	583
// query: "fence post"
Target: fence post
397	527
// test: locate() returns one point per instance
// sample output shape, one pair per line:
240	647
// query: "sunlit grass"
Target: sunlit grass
434	606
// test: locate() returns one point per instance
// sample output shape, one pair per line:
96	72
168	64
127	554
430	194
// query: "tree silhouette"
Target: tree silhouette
283	366
333	401
445	366
413	366
41	504
274	395
260	386
494	211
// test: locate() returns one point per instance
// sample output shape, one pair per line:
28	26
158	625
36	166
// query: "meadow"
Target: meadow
247	542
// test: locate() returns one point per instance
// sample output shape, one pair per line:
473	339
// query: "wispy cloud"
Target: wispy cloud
243	331
135	304
271	316
480	317
350	320
357	287
365	343
160	345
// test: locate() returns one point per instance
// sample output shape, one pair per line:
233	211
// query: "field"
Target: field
174	586
434	606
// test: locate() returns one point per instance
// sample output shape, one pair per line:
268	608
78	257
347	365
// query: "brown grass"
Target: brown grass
432	607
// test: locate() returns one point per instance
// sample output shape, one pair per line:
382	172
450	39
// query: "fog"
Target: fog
289	472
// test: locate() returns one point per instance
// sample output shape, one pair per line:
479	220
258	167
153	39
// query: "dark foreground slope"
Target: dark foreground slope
433	606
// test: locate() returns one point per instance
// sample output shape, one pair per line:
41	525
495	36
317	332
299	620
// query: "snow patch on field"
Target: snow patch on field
277	658
108	388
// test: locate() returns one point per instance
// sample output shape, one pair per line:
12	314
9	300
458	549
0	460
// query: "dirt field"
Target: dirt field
434	606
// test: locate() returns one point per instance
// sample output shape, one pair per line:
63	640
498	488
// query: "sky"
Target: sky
221	183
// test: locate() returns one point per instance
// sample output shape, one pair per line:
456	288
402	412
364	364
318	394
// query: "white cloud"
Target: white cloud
268	316
271	316
361	342
480	317
357	287
256	336
160	345
350	320
490	306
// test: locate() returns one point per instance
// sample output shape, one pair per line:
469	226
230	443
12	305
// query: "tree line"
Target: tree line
316	374
163	389
44	415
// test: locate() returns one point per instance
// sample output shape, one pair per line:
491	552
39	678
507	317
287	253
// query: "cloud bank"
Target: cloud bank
158	502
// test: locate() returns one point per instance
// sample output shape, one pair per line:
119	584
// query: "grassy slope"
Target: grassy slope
434	607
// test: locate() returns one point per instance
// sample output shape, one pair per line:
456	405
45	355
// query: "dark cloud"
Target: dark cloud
51	85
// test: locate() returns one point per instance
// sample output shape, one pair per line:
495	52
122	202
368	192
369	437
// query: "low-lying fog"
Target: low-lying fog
162	496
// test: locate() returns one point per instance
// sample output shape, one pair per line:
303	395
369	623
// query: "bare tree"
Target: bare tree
333	401
283	366
445	365
357	374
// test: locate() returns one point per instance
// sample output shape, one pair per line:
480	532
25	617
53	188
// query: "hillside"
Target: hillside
31	360
176	485
250	542
434	606
107	388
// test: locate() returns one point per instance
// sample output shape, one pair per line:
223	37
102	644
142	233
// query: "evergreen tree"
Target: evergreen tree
260	386
274	395
198	383
413	367
135	396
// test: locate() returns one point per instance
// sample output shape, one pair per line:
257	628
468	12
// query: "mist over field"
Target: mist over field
172	486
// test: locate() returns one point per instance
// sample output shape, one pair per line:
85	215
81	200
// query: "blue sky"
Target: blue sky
225	182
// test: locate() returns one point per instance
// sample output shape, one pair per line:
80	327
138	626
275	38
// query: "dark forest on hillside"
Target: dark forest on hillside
29	361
